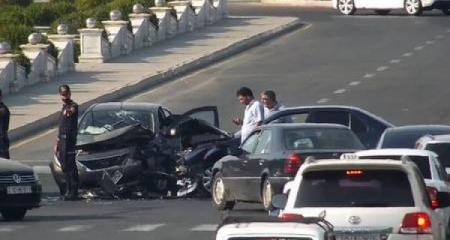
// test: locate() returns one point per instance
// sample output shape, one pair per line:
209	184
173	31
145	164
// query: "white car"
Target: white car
367	199
429	166
268	228
439	144
383	7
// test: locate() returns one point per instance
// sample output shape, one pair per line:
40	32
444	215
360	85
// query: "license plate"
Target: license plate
116	177
18	190
358	237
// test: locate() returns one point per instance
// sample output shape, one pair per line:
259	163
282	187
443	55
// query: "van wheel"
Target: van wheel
219	194
346	7
413	7
267	195
382	12
14	214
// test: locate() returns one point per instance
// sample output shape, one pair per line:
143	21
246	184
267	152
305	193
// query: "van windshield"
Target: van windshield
355	188
442	150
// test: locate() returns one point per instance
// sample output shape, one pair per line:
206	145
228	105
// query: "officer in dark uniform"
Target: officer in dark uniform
67	138
4	127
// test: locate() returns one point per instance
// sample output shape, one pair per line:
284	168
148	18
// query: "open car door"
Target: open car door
209	114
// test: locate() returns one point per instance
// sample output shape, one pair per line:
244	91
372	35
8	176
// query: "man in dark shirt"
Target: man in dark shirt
67	138
4	127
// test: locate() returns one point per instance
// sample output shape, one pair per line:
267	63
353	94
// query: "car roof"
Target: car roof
421	127
395	152
326	164
438	138
304	125
124	105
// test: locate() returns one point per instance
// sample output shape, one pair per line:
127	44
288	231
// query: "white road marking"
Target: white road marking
205	228
323	100
10	228
407	54
418	48
143	228
395	60
382	68
439	37
339	91
42	169
74	228
429	42
354	83
369	75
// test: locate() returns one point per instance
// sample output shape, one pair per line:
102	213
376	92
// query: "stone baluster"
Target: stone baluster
65	45
173	29
42	29
121	39
221	9
201	8
94	47
182	8
143	30
37	53
163	15
8	68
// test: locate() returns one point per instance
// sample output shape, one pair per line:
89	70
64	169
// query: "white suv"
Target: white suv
439	144
383	7
270	228
367	199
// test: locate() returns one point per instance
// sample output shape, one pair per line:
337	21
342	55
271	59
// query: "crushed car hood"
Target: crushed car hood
118	136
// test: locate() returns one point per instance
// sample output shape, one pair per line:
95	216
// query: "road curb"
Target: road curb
154	80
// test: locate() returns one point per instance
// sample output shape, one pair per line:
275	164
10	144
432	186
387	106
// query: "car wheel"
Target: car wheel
14	214
346	7
445	11
413	7
267	195
207	177
219	194
382	12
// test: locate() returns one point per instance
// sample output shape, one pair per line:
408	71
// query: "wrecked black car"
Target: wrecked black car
142	147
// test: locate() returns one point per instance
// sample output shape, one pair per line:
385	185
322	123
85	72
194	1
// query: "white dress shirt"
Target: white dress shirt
254	113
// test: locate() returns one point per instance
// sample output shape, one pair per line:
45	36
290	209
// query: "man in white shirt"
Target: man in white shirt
253	115
271	106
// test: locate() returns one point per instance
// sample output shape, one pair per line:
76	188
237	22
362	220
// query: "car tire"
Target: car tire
445	11
220	195
346	7
382	12
267	195
14	214
413	7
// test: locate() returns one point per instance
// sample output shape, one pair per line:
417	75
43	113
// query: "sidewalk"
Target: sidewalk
36	108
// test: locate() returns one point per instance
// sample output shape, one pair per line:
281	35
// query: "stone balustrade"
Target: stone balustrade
118	37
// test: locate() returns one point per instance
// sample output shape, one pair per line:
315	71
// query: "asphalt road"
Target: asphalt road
394	66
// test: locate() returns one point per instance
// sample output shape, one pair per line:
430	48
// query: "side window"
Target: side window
440	170
357	125
263	146
250	143
338	117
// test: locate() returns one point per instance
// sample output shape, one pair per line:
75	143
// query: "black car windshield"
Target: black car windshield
355	188
320	138
422	162
407	139
101	121
442	150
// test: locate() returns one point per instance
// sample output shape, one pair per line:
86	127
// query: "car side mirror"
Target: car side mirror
279	201
443	199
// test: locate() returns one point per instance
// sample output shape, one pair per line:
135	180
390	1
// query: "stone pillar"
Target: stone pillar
182	8
42	29
8	68
65	45
163	15
121	39
94	47
202	10
38	55
142	27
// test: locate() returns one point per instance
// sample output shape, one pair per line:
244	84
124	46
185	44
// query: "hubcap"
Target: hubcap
206	179
219	191
412	6
267	194
346	6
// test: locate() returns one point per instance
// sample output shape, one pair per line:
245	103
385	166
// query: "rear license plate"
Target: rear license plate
358	237
116	177
18	190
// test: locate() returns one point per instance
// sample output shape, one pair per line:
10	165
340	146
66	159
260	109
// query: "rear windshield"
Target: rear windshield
269	238
355	188
443	152
422	162
320	138
404	139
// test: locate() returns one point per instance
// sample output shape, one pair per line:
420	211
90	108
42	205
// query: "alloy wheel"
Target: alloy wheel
267	195
207	179
219	191
412	7
346	7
